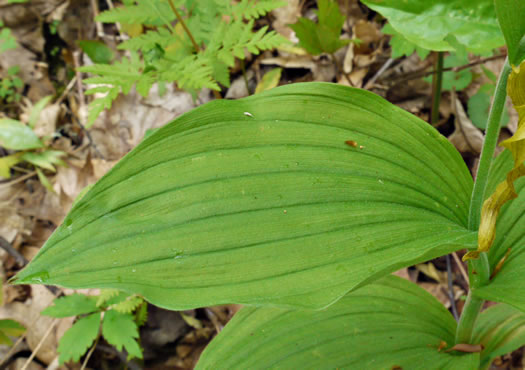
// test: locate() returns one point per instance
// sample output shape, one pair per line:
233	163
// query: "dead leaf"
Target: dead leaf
466	137
28	314
285	15
20	362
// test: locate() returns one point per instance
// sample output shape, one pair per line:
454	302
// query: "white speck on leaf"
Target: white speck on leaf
248	114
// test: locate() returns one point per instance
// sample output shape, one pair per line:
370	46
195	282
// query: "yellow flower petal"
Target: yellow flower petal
505	191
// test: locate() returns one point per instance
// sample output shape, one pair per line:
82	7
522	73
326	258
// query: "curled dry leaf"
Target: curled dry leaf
120	129
505	191
466	137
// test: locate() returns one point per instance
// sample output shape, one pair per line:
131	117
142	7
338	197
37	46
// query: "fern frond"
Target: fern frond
193	72
105	295
144	12
240	36
129	305
148	40
97	106
252	9
116	78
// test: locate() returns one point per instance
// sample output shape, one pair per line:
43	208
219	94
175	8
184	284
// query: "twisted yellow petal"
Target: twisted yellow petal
505	191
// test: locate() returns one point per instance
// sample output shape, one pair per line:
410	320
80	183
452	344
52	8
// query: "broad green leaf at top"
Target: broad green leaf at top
430	23
389	324
290	197
511	14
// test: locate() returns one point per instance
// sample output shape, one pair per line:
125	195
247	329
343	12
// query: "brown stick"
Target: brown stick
423	73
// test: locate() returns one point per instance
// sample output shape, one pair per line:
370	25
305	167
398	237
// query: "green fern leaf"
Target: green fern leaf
192	72
120	330
144	12
75	342
98	105
251	9
129	305
141	315
148	40
105	295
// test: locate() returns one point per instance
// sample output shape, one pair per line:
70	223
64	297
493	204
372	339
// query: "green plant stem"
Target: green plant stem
489	145
468	317
437	82
190	35
479	269
186	29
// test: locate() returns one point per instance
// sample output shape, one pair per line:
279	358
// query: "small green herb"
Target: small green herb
118	325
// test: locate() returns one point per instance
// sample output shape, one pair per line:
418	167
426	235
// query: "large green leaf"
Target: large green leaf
500	329
511	14
261	201
438	24
507	285
389	324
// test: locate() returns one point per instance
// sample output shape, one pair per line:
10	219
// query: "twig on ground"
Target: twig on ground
111	6
92	349
100	28
37	348
460	266
339	70
17	180
5	245
67	90
451	295
423	72
378	74
78	75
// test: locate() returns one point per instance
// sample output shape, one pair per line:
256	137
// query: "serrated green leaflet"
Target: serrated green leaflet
120	330
72	305
510	16
261	201
500	329
507	285
428	23
79	338
389	324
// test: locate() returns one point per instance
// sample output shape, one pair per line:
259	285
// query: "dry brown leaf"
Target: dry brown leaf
28	314
466	137
20	362
11	222
118	131
348	61
291	61
284	16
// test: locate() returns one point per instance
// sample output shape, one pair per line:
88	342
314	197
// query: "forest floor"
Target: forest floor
48	55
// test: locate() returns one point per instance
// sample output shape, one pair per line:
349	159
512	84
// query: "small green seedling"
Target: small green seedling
114	315
27	146
324	36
